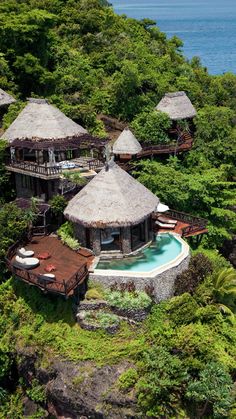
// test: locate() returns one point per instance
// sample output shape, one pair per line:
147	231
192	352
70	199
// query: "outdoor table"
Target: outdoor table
44	255
50	268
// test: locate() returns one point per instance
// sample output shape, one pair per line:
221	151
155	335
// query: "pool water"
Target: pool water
164	249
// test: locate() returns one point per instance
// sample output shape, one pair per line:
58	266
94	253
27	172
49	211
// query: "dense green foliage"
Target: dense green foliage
199	267
66	234
184	354
206	193
152	127
87	60
128	300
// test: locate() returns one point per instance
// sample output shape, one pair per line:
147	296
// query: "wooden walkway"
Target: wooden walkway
71	267
165	149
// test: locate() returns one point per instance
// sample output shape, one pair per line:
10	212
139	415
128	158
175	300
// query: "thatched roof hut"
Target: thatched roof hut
112	199
177	105
41	125
126	143
5	98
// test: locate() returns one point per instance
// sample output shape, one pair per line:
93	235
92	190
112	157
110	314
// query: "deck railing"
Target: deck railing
196	224
95	164
39	169
63	287
184	142
48	170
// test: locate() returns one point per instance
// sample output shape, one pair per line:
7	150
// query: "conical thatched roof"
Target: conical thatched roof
177	105
113	198
126	143
5	98
40	121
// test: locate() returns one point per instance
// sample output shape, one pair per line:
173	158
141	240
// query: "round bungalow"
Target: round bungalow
126	146
177	105
112	213
41	140
5	101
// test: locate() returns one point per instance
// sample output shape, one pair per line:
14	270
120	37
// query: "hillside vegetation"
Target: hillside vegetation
88	61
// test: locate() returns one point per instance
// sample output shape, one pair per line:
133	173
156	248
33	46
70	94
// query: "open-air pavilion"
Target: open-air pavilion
43	143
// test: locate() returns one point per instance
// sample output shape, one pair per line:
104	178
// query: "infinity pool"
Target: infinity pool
165	249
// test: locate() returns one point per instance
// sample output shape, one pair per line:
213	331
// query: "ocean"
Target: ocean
207	27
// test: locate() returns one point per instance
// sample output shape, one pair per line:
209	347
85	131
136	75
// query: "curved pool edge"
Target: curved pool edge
149	274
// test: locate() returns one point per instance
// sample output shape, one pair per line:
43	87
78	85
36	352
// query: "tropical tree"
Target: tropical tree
152	127
224	287
211	393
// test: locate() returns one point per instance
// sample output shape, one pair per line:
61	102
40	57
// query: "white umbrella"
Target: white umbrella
162	207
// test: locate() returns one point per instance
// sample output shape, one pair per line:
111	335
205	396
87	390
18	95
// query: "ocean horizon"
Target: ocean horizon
207	28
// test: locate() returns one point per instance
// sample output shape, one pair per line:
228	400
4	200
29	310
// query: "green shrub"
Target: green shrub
217	260
128	300
128	379
66	228
163	377
152	127
208	314
101	319
58	204
65	232
212	391
70	241
93	294
199	267
36	392
182	309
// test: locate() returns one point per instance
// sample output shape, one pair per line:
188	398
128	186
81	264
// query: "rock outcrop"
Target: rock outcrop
80	390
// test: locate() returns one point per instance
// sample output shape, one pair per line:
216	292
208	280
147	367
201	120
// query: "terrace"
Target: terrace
86	166
71	267
187	225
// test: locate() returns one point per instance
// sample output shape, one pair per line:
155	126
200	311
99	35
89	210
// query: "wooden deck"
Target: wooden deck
71	266
180	226
186	226
86	166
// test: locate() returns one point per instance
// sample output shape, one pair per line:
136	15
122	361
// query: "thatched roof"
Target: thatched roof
40	122
126	143
177	105
113	198
5	98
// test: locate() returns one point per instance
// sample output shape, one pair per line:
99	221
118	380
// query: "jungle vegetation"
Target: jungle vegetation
89	61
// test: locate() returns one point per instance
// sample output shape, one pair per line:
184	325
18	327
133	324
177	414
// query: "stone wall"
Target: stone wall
80	234
162	285
96	241
126	240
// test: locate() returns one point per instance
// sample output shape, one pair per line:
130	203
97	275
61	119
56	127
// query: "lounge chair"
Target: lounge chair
46	278
167	220
162	225
26	263
23	253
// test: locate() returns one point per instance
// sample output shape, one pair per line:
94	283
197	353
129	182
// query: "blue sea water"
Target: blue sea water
207	27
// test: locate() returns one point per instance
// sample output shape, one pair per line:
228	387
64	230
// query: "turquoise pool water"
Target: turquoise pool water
163	250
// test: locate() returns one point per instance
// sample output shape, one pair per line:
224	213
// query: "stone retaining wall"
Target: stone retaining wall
162	285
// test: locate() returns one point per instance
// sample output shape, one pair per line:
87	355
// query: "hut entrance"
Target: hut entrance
138	238
111	239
